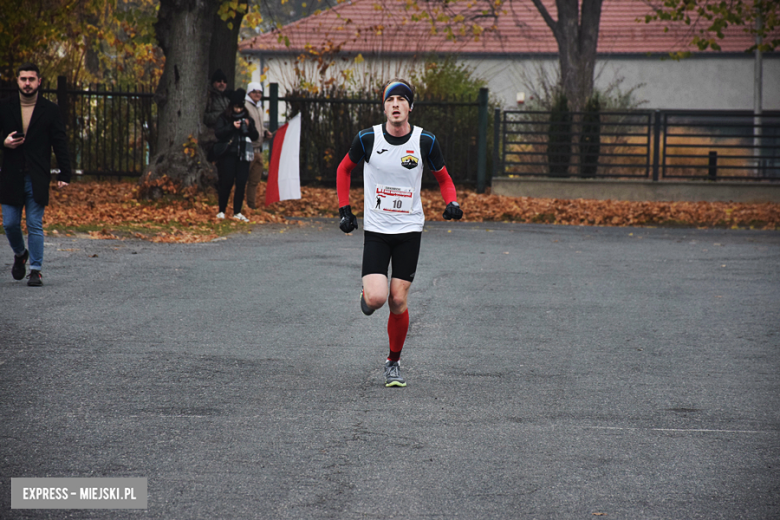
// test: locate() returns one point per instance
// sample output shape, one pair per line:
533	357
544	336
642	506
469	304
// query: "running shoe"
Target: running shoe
240	217
34	279
393	374
368	311
220	215
19	269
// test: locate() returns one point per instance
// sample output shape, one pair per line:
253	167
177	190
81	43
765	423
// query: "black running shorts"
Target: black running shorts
379	248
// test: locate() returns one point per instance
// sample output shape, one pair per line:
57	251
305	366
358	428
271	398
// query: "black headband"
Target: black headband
397	88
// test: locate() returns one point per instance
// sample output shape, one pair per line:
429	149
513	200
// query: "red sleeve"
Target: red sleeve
343	180
445	185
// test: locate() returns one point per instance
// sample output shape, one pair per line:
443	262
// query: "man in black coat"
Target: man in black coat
30	127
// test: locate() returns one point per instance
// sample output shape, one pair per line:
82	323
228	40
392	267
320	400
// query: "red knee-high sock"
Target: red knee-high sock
397	327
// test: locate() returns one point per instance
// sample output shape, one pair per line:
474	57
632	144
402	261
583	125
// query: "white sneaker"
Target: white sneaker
239	216
220	215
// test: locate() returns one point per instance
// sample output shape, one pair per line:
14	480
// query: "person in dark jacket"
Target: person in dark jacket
30	127
218	98
216	103
235	132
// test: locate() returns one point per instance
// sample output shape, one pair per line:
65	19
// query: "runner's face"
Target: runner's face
397	110
28	81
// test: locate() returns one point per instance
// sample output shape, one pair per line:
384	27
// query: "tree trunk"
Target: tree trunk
577	36
224	45
183	30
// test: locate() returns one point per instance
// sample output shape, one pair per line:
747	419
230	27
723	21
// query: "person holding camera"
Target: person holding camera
30	127
235	132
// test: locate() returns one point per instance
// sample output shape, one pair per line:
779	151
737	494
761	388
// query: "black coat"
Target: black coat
45	132
226	132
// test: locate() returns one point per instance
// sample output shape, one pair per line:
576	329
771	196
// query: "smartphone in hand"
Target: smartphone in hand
17	135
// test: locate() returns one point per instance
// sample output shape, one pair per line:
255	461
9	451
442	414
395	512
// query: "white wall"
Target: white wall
715	83
695	83
280	70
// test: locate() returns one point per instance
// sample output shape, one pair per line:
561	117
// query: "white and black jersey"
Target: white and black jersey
392	177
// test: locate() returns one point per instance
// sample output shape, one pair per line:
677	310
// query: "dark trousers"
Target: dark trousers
231	170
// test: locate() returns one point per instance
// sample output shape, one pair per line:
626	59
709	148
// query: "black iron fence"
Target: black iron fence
719	145
662	144
328	126
111	130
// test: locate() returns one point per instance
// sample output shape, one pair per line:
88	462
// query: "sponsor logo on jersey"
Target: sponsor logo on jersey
409	161
380	152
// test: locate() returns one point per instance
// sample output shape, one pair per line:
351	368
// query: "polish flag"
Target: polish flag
284	177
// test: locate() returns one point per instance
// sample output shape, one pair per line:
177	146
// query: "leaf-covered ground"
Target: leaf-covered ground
110	209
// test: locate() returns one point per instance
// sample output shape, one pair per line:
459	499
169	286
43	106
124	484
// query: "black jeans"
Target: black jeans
230	170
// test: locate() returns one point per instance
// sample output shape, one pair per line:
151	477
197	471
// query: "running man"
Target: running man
394	155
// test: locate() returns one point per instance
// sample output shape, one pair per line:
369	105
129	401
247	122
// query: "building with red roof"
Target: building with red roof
515	50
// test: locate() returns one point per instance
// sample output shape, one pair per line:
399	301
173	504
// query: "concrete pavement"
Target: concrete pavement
554	372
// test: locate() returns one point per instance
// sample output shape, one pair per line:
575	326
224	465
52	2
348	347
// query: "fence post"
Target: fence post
496	140
656	143
713	165
482	140
273	108
62	98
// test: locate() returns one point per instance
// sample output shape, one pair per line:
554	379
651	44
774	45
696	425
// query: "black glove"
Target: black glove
348	222
453	211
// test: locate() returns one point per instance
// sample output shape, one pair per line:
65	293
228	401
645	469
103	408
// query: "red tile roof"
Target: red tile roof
375	27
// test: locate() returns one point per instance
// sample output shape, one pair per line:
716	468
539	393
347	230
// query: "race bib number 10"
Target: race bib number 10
393	199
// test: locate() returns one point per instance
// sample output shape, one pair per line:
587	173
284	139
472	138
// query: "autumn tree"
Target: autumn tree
197	37
123	48
52	33
576	31
91	41
224	39
129	42
708	19
183	30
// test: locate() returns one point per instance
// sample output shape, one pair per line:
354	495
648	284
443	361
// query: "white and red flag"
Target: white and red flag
284	176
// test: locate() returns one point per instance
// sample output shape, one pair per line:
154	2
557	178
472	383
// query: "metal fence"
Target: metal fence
328	126
720	145
111	131
661	144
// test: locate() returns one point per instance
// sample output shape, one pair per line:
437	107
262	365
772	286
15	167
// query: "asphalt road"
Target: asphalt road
553	372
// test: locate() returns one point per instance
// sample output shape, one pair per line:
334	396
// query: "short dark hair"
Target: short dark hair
28	67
